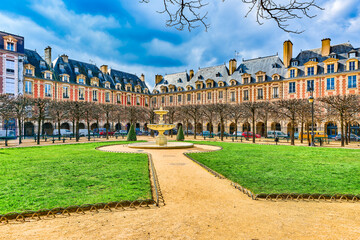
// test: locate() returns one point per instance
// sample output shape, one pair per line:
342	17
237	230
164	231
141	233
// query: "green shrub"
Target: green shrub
131	134
180	135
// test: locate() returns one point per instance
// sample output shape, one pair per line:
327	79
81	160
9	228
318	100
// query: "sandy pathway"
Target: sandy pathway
200	206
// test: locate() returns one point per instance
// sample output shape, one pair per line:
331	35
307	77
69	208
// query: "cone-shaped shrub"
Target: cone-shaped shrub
180	135
131	134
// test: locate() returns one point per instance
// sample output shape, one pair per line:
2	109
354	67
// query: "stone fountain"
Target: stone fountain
161	140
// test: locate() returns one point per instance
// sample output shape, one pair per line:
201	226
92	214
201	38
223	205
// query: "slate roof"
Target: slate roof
20	41
33	58
124	78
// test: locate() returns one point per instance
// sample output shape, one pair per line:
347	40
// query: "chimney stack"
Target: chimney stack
142	77
232	66
288	45
325	48
104	69
158	79
191	73
48	56
65	58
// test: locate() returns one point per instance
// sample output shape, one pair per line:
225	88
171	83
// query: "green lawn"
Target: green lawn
59	176
286	169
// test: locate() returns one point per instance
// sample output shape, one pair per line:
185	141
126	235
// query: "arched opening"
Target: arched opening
118	126
189	127
65	126
82	126
93	126
246	127
47	129
275	126
331	129
28	129
209	127
232	128
137	127
260	128
355	128
107	125
128	126
289	128
309	125
199	128
178	125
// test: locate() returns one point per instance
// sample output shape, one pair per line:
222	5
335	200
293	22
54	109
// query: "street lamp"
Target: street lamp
311	100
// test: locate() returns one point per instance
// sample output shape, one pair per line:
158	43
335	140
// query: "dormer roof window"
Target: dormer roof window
200	77
218	74
294	63
42	64
100	75
314	59
179	80
332	55
61	66
89	72
107	85
65	78
352	54
76	69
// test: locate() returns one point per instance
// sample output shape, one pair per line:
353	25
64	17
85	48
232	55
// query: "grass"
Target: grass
34	178
286	169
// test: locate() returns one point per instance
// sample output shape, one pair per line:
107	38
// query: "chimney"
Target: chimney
232	66
158	79
65	58
48	56
142	77
191	73
325	48
104	69
288	45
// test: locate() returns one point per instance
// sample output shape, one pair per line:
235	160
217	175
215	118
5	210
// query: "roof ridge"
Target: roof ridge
319	48
175	73
252	59
220	65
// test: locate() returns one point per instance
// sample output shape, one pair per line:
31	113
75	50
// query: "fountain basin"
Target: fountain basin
169	145
161	127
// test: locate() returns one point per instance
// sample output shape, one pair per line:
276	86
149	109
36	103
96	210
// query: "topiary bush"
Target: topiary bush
180	135
131	134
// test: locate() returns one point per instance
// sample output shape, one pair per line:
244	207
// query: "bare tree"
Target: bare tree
189	13
6	112
266	111
58	112
76	112
194	112
40	106
209	115
236	112
21	110
341	105
88	110
172	115
222	112
107	109
252	109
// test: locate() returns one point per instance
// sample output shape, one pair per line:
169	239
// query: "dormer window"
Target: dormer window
10	46
81	81
330	68
47	75
61	66
65	78
76	69
221	84
294	63
28	72
200	77
314	59
310	71
233	83
218	74
42	64
332	55
208	85
198	86
107	85
246	80
118	86
352	54
275	77
260	78
89	72
128	89
179	80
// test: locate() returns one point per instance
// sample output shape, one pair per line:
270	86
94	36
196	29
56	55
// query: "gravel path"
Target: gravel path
200	206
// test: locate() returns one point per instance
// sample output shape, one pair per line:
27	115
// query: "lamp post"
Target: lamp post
311	100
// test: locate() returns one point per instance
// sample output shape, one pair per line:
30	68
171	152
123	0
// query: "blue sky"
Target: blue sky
131	36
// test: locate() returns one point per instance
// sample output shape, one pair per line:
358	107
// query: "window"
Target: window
137	100
246	80
179	98
260	78
65	92
171	99
146	102
232	96
209	95
275	92
352	55
128	99
218	74
76	69
198	86
118	87
47	90
28	71
118	98
330	84
330	68
10	46
95	95
107	97
310	85
81	81
189	97
351	66
292	87
199	96
28	87
310	71
233	83
61	66
220	94
65	78
179	80
47	75
162	99
294	63
128	89
260	94
352	81
42	64
276	77
10	67
154	100
292	73
10	86
81	94
107	85
246	95
89	72
314	59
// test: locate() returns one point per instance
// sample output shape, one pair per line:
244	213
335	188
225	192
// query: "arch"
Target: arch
190	126
209	127
93	126
65	126
47	128
137	126
232	128
246	127
82	126
28	129
107	125
275	126
260	128
118	126
331	129
199	128
128	126
219	127
355	128
289	128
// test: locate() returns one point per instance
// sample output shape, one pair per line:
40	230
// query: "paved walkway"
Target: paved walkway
200	206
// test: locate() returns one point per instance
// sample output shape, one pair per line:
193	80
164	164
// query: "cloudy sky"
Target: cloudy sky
132	36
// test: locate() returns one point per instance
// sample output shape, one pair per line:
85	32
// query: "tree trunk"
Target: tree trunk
236	128
20	130
266	122
222	130
88	127
195	123
59	129
292	132
107	128
253	123
38	134
6	134
349	132
74	130
77	130
308	133
342	130
302	132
